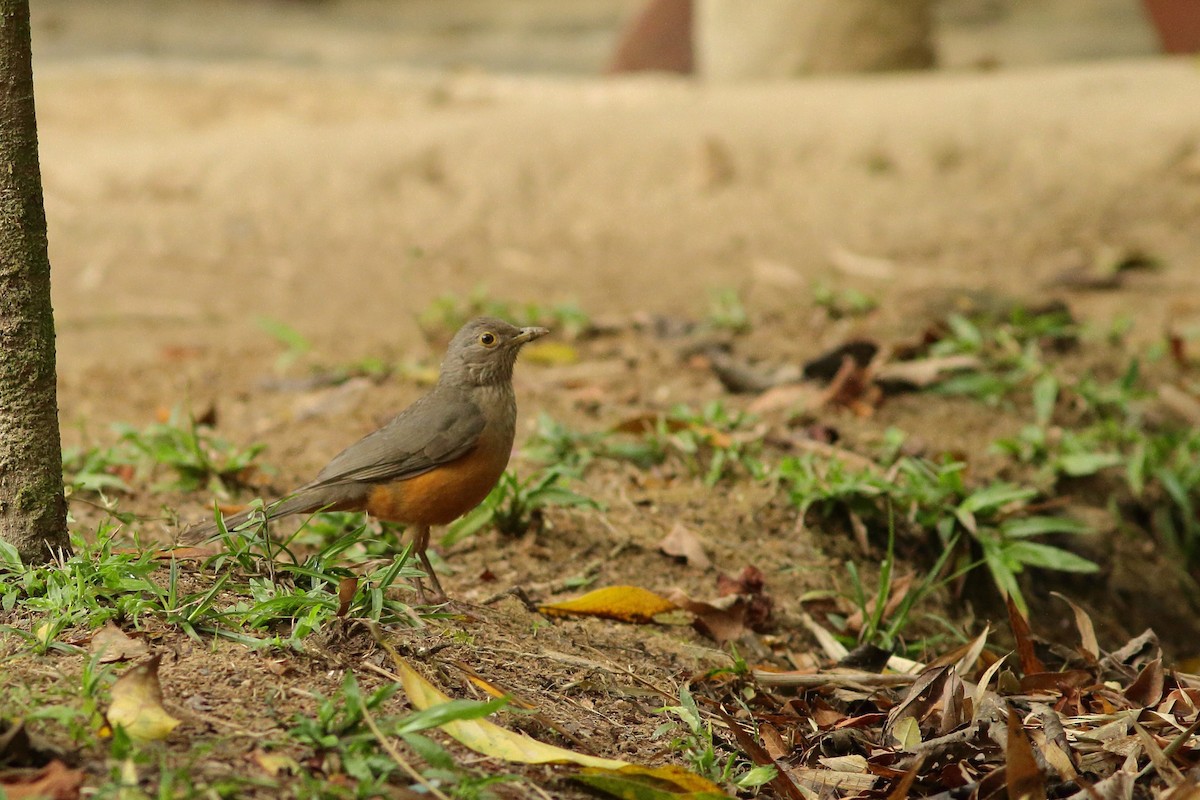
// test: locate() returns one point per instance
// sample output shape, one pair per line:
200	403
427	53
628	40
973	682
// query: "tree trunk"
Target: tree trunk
33	513
772	39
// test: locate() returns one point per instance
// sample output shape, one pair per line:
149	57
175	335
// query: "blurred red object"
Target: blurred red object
1177	23
658	38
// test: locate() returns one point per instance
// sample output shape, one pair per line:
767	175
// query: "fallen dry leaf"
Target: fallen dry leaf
899	589
137	704
1030	663
55	781
758	754
854	388
750	585
111	644
924	372
346	589
668	782
486	737
275	763
1088	643
516	701
722	621
794	397
1022	774
1147	688
550	354
682	542
826	366
622	603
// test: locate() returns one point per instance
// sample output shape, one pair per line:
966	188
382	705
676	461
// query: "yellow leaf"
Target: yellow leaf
137	704
487	737
550	354
651	783
275	763
623	603
907	734
44	633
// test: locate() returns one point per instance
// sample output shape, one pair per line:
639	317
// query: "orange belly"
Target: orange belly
441	495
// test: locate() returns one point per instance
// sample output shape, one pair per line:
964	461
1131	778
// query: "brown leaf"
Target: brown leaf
1188	790
772	740
953	704
682	543
112	644
861	721
1140	650
965	655
794	397
921	699
1178	347
1118	786
1147	688
1061	682
278	666
646	422
898	590
750	581
824	781
52	782
346	589
853	388
1030	663
902	787
750	585
1088	644
723	621
749	745
1161	761
1022	774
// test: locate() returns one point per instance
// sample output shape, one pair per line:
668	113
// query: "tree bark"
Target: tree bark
33	512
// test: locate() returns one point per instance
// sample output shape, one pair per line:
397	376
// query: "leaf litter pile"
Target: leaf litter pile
1048	719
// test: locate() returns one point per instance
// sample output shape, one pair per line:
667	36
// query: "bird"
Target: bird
435	460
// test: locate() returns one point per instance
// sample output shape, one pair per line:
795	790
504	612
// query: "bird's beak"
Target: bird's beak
529	334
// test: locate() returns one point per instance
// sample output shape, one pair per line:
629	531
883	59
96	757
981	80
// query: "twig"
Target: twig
400	760
841	680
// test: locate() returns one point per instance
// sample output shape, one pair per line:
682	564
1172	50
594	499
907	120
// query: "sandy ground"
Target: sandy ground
186	202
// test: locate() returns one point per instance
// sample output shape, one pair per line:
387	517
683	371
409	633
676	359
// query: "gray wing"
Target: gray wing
438	428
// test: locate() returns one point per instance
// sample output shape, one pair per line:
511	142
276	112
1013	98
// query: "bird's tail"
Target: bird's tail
301	502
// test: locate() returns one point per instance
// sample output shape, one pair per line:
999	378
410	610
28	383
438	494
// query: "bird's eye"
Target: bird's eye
487	339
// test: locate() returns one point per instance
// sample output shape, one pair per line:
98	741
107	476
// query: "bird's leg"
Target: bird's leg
420	545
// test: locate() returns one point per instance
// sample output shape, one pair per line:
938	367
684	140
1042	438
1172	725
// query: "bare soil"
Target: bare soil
188	199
